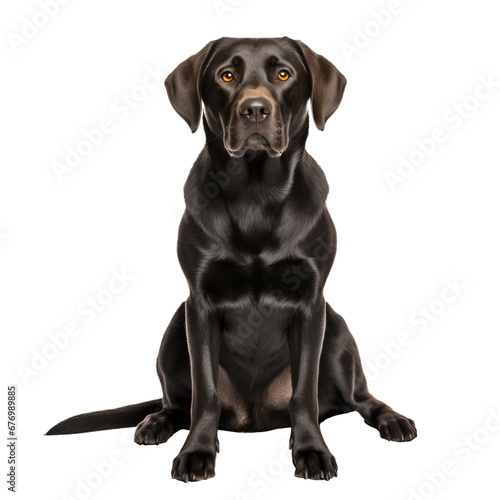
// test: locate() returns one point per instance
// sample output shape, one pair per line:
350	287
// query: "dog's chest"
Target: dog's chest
254	224
255	208
284	283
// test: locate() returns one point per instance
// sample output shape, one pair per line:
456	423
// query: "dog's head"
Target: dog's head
252	87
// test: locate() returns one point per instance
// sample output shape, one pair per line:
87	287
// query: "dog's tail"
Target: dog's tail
118	418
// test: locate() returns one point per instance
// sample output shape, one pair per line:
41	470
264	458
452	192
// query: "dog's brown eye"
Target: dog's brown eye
283	75
228	76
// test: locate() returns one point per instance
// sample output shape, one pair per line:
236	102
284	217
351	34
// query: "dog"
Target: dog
255	346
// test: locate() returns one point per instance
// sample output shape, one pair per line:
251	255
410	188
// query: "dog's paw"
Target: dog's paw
395	427
194	466
314	464
154	429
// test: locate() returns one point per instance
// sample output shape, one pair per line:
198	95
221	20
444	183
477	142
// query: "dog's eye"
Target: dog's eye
227	76
283	75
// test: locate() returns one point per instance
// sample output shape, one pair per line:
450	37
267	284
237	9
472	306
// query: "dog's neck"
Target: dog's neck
245	200
268	179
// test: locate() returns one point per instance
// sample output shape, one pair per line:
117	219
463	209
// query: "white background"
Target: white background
121	206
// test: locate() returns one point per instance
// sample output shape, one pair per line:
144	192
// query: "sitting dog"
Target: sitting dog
255	346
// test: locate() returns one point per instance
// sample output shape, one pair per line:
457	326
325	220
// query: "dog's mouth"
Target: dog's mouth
255	122
255	141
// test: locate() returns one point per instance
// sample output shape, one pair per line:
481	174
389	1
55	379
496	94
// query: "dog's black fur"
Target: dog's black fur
255	346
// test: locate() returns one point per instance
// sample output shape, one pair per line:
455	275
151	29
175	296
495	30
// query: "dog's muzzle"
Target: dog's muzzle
256	123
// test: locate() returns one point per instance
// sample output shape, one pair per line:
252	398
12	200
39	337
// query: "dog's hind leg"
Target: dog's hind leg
156	428
342	384
174	372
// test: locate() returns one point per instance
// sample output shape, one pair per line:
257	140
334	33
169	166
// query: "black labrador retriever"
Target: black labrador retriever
255	346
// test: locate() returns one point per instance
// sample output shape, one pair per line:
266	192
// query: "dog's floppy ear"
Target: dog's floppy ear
183	87
327	85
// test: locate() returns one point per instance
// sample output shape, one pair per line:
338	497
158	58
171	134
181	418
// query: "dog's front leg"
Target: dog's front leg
311	456
196	459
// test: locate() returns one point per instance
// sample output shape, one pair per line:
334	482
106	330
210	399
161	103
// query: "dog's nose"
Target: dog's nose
256	109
